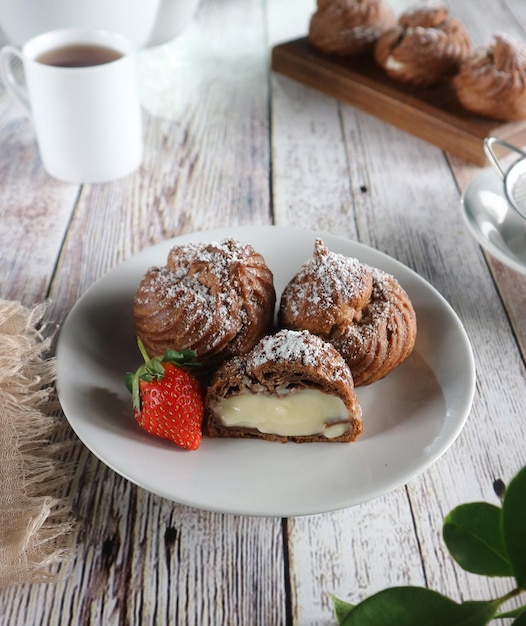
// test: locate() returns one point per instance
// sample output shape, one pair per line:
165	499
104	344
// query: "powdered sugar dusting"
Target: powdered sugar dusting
207	296
167	287
297	346
424	6
385	293
513	52
286	346
211	294
190	261
426	36
327	279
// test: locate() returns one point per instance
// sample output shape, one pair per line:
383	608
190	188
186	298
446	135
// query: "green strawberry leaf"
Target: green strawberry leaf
417	606
514	526
153	369
341	608
128	381
182	357
473	535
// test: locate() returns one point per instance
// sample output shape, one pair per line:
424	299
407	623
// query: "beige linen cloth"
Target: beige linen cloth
35	522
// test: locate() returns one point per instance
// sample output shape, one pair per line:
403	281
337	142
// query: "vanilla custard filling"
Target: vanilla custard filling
393	64
301	412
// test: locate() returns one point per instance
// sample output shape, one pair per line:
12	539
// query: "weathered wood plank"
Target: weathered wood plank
34	210
401	198
141	558
206	160
510	284
209	145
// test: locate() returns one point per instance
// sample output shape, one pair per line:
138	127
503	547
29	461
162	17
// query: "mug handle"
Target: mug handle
14	86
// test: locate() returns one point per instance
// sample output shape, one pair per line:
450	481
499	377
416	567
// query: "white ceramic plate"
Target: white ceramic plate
493	222
410	418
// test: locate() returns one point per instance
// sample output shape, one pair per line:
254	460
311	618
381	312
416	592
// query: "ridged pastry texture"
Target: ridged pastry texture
215	298
492	81
278	365
349	27
384	337
363	311
426	47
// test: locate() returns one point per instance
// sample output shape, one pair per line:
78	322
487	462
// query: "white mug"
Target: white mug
87	119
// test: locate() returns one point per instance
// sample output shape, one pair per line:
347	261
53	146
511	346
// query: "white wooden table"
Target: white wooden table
229	143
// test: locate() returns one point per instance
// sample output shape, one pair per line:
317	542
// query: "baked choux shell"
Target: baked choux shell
349	27
363	311
280	364
384	337
217	299
424	14
426	47
329	290
492	81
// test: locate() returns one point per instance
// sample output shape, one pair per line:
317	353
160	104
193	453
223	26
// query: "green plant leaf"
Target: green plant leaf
341	608
514	525
513	613
521	620
128	381
473	535
417	606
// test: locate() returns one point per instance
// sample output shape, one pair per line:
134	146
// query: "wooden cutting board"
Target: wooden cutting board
433	114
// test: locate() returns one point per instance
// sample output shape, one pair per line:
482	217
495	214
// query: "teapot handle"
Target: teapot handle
172	18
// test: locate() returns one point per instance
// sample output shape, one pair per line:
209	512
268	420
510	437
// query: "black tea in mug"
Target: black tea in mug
79	55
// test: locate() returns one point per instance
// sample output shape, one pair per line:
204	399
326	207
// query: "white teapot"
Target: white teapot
145	22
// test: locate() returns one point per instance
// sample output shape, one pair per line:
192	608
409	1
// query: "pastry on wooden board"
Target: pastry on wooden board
292	386
363	311
349	27
215	298
426	47
492	80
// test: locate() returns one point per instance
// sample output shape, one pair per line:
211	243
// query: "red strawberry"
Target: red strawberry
167	399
